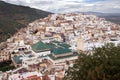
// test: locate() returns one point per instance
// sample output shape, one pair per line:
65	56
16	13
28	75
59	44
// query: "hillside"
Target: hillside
60	34
13	17
113	17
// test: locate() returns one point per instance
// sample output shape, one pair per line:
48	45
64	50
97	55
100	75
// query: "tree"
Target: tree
102	64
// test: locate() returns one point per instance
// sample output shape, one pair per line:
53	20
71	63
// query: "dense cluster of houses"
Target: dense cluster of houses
47	47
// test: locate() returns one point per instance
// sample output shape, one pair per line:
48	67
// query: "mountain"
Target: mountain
14	17
113	17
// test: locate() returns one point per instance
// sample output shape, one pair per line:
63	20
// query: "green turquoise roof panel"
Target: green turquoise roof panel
17	59
55	47
64	45
39	46
58	51
63	57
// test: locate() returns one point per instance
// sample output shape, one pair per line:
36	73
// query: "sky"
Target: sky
68	6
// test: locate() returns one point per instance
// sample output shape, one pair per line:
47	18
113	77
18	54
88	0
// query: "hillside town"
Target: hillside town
47	47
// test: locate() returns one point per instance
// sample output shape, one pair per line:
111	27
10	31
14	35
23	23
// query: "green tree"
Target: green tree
102	64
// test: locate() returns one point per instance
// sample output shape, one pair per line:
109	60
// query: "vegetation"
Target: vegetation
103	64
6	65
13	17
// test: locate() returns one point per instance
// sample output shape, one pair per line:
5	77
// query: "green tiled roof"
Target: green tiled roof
63	57
55	41
61	44
17	59
39	46
55	47
51	45
58	51
64	45
60	48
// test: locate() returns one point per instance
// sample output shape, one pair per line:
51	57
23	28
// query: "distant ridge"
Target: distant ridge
13	17
113	17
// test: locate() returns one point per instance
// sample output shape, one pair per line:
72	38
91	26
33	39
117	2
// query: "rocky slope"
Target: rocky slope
14	17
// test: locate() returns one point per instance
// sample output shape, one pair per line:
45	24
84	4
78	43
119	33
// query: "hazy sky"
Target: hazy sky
63	6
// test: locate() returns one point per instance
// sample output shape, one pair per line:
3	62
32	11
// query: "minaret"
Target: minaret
80	43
